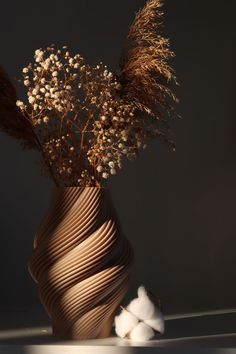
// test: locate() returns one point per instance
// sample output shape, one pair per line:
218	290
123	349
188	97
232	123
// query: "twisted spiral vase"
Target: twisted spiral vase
81	262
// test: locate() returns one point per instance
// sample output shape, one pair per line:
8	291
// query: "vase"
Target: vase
81	262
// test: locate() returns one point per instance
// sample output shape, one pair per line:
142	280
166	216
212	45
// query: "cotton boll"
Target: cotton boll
124	323
142	332
157	321
142	307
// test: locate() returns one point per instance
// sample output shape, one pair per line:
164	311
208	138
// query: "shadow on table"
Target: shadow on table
200	326
211	341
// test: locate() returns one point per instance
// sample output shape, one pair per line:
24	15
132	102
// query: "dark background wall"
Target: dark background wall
178	209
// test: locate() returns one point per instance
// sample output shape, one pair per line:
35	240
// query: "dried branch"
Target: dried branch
12	121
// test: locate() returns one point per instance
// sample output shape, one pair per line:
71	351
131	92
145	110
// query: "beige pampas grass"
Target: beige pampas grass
145	70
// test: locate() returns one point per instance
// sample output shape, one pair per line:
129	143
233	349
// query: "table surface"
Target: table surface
28	331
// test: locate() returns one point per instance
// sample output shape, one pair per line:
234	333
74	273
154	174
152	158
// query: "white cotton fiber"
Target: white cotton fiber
140	319
157	321
124	323
142	307
142	332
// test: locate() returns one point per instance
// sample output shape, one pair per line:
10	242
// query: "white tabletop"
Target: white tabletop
28	332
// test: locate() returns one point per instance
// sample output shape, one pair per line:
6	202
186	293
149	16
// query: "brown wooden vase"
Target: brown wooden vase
81	262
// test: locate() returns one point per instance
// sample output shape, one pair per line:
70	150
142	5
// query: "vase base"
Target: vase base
105	332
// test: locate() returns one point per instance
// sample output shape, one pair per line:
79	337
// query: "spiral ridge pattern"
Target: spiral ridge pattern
81	262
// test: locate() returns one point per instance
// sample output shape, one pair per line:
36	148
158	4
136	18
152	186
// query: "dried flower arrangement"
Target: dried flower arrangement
85	120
